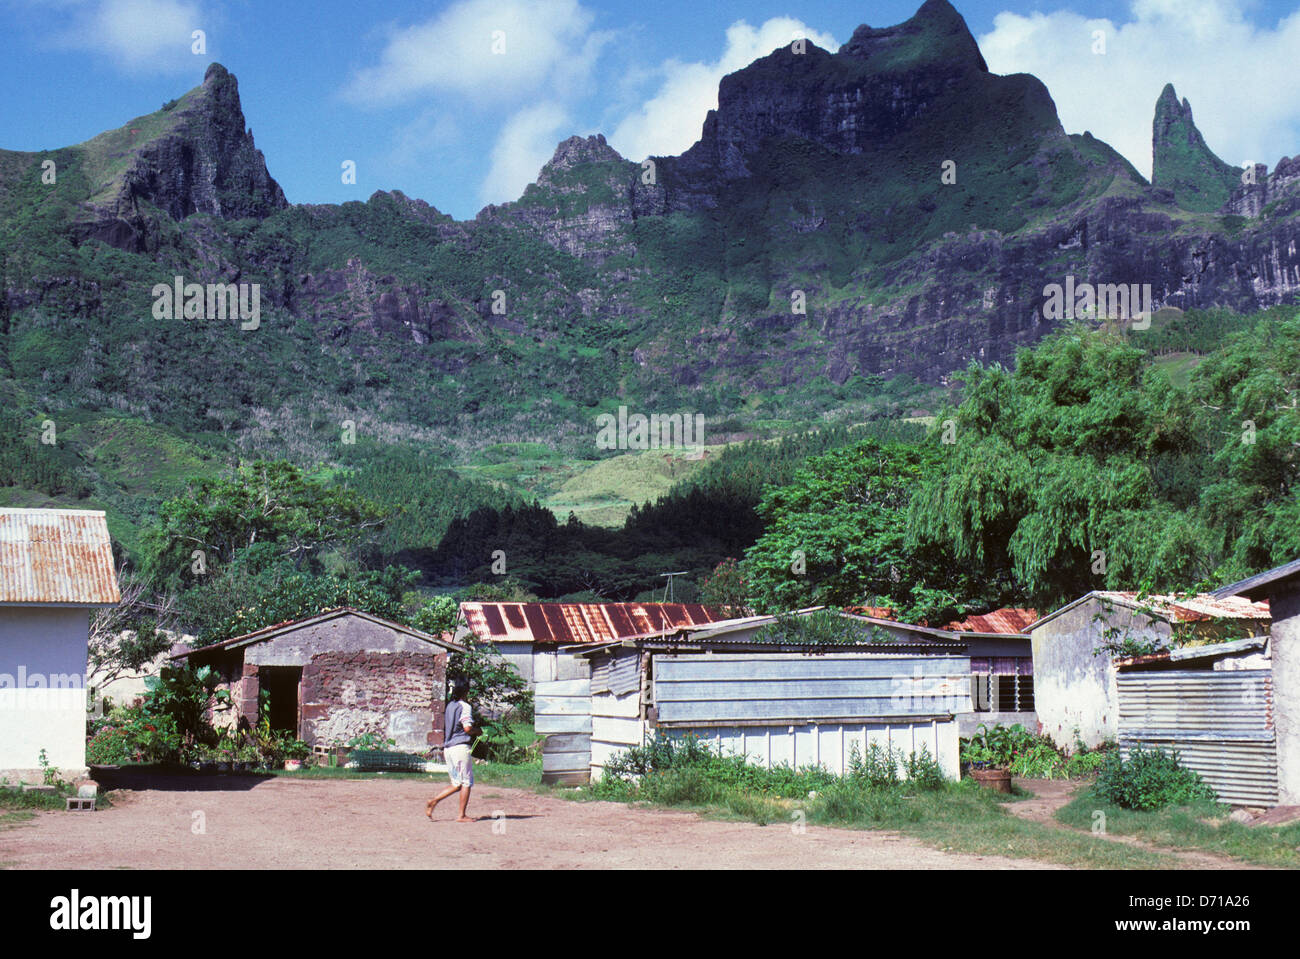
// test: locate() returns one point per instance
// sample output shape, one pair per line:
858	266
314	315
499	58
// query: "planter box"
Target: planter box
999	780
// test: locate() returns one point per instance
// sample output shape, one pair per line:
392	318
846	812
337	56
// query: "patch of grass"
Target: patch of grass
1201	826
961	816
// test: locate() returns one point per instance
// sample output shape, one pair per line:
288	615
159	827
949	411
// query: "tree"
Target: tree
1080	470
727	587
837	535
492	680
126	637
262	503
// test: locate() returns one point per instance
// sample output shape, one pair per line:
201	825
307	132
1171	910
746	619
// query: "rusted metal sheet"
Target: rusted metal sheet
580	623
56	556
1008	620
1219	722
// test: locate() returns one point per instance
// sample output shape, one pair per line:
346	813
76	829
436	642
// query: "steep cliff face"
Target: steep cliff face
890	209
192	156
1181	161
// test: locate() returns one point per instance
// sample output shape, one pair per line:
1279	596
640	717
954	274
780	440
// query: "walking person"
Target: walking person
459	733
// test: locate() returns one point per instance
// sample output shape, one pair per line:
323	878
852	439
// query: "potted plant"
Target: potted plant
987	754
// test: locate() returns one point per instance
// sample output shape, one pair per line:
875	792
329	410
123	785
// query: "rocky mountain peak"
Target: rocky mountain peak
194	155
936	35
577	150
1182	162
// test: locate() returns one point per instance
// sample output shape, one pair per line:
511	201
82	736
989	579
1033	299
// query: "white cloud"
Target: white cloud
671	120
526	142
485	50
138	35
1240	78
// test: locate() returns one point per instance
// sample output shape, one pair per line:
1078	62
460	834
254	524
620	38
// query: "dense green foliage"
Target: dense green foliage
1149	779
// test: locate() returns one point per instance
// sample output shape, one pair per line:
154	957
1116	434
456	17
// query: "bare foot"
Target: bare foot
467	819
429	807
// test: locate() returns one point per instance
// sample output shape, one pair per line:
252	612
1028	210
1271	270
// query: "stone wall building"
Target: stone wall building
335	676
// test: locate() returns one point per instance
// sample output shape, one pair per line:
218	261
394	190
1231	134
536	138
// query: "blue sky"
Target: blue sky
413	93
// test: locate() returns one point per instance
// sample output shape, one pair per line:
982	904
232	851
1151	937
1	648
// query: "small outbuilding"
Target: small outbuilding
334	676
1280	588
775	703
1212	706
1075	688
56	565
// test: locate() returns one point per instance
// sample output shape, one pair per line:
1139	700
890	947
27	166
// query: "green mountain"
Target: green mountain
850	229
1181	161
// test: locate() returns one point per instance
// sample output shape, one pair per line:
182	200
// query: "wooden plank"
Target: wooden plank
562	705
565	687
757	667
567	742
628	706
615	730
562	724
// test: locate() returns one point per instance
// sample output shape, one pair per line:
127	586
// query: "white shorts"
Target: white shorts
460	765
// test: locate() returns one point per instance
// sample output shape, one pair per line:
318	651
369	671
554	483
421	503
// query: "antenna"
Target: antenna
668	590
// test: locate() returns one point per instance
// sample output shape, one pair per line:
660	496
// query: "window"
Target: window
1002	684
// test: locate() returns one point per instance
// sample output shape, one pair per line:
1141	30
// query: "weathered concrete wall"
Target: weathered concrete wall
1285	649
398	695
1073	687
42	690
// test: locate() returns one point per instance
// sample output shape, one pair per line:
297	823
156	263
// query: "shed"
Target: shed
1075	686
1213	706
776	703
541	640
56	565
1280	586
334	676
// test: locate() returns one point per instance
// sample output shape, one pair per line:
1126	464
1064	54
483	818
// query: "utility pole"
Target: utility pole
668	590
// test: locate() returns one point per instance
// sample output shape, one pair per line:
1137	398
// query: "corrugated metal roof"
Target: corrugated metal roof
1174	609
580	623
1192	653
56	556
1008	620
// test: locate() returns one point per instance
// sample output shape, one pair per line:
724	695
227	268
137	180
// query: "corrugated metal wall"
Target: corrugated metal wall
563	716
798	709
831	745
1219	722
747	687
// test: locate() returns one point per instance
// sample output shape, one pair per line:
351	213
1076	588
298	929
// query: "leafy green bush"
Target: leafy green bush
1150	779
665	770
133	735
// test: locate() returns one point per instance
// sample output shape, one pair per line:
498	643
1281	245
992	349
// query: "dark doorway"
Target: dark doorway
281	685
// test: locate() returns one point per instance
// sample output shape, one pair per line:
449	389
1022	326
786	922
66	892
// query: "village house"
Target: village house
56	565
334	676
1075	686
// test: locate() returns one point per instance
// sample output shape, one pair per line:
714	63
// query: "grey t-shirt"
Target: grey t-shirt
458	713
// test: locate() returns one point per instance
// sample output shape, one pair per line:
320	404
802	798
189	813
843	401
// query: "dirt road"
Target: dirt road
347	824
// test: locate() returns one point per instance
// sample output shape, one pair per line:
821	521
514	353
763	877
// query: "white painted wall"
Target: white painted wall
42	688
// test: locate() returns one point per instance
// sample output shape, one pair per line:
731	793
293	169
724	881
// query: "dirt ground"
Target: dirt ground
284	823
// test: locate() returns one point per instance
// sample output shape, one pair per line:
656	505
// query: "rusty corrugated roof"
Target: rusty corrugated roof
56	556
580	623
1008	619
1196	608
